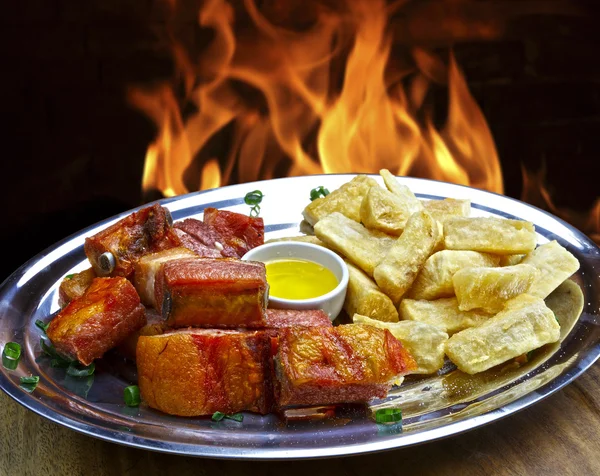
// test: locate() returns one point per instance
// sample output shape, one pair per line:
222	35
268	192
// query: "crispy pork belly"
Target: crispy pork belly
284	318
147	267
345	364
207	236
225	293
196	372
107	313
115	250
193	244
73	286
155	325
240	232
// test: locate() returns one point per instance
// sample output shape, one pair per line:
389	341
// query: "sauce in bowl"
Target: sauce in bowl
294	278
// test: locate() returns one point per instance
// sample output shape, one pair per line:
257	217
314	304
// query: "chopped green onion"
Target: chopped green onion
235	417
318	193
12	350
131	395
11	355
75	369
69	276
8	363
529	355
388	415
218	416
50	351
29	383
42	325
253	198
59	363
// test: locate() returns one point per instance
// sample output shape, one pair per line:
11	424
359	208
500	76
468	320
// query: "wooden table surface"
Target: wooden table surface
560	435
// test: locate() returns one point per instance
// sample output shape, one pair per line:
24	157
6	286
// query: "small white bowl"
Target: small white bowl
331	302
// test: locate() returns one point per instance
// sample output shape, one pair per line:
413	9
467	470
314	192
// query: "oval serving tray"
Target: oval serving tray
434	407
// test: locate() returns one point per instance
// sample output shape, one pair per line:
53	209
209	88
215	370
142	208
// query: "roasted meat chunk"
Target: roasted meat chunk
240	232
193	244
107	313
147	267
205	235
155	325
114	251
196	372
327	365
73	286
223	293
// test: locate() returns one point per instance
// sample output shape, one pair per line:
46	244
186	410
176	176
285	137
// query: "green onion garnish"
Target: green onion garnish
12	350
11	355
42	325
29	383
59	363
75	369
69	276
253	199
318	193
255	211
218	416
57	359
388	415
8	363
235	417
131	395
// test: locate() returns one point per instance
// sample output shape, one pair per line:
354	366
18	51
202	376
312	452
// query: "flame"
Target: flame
295	88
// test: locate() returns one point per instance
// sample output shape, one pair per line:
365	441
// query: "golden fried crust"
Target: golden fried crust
198	372
146	231
350	363
107	313
224	293
73	287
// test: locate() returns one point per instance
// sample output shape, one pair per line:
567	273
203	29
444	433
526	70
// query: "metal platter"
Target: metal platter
434	407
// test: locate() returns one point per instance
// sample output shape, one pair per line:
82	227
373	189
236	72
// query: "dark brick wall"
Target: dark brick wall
73	149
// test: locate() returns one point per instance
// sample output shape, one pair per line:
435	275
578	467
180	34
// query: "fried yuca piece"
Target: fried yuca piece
491	235
426	343
396	273
345	200
443	313
363	247
554	263
441	210
435	279
525	324
364	297
401	191
510	260
385	211
490	288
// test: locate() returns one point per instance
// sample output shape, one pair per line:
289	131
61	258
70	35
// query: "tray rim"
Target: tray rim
34	404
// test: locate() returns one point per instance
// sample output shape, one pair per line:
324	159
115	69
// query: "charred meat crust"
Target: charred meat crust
199	371
146	231
101	318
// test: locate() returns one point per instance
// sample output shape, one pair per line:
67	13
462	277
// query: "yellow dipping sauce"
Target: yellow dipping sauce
293	278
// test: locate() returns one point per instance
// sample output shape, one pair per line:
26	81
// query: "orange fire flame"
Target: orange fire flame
323	99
